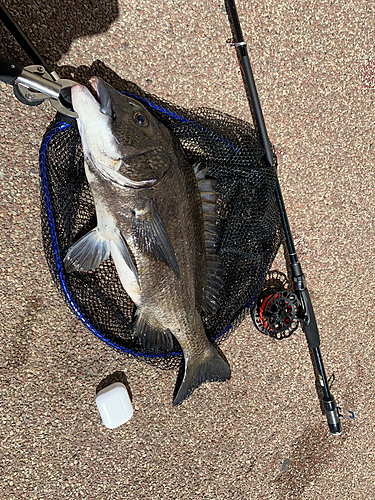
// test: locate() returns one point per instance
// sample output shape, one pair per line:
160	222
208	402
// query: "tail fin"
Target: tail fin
208	367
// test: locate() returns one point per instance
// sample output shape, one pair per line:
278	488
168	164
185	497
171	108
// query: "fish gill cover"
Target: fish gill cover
249	227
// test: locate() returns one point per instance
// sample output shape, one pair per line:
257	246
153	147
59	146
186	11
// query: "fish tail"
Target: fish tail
207	367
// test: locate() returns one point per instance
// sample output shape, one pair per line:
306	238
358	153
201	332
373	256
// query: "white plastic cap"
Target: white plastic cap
114	405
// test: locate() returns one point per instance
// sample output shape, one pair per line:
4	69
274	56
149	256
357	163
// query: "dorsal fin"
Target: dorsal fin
214	282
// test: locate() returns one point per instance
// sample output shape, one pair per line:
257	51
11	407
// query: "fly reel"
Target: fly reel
275	312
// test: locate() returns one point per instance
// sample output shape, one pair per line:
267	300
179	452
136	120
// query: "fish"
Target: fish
156	219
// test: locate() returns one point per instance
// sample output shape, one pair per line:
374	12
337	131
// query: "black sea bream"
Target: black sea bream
156	217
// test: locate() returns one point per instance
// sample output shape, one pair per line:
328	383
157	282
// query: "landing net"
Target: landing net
249	228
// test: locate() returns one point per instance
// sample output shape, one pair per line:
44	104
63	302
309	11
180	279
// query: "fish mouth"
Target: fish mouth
93	86
100	93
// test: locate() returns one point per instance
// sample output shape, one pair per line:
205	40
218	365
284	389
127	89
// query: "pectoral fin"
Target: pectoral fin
87	253
152	237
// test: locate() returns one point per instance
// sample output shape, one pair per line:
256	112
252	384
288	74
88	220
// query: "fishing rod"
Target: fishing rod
24	42
307	316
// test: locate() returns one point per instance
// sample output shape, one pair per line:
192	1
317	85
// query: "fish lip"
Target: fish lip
97	88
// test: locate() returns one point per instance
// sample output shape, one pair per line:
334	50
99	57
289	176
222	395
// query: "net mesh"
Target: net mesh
249	228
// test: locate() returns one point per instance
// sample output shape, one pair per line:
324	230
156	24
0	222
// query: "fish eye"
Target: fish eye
140	119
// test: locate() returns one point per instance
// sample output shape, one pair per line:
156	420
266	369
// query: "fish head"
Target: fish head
122	141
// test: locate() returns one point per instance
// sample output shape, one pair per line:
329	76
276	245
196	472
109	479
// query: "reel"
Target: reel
275	312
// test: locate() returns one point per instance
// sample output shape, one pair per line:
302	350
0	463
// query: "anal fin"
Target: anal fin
150	336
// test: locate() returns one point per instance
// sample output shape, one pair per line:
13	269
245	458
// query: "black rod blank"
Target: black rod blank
308	321
22	39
